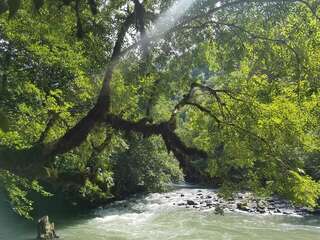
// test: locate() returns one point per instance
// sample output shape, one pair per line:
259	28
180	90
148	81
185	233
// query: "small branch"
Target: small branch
52	120
205	110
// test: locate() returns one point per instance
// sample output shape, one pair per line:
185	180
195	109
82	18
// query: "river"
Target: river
155	217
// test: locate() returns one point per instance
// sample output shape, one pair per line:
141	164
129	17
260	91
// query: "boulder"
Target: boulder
243	206
46	230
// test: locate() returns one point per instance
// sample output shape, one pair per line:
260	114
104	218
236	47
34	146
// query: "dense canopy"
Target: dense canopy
102	99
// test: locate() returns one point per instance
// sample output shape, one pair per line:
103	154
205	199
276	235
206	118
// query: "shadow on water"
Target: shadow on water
14	227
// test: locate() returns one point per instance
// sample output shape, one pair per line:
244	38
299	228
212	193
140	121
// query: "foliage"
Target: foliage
144	166
18	190
256	114
304	189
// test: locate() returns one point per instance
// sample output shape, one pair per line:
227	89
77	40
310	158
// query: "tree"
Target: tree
186	100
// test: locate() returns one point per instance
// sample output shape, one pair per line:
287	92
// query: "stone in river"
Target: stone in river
191	202
219	210
278	210
209	203
271	207
262	204
46	229
243	206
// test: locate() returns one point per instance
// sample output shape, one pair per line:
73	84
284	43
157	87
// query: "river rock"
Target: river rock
191	202
46	230
252	205
219	210
243	206
278	210
271	207
232	207
262	204
245	202
287	211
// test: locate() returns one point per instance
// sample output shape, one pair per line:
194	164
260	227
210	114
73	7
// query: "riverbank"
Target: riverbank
202	199
246	202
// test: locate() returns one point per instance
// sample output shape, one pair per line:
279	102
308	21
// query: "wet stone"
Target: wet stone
243	206
271	207
191	202
46	230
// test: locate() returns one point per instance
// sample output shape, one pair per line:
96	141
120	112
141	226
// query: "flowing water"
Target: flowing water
158	217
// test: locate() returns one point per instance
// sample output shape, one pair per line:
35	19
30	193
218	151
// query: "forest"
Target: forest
100	100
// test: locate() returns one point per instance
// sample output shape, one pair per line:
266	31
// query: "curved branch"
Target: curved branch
205	110
164	129
76	135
